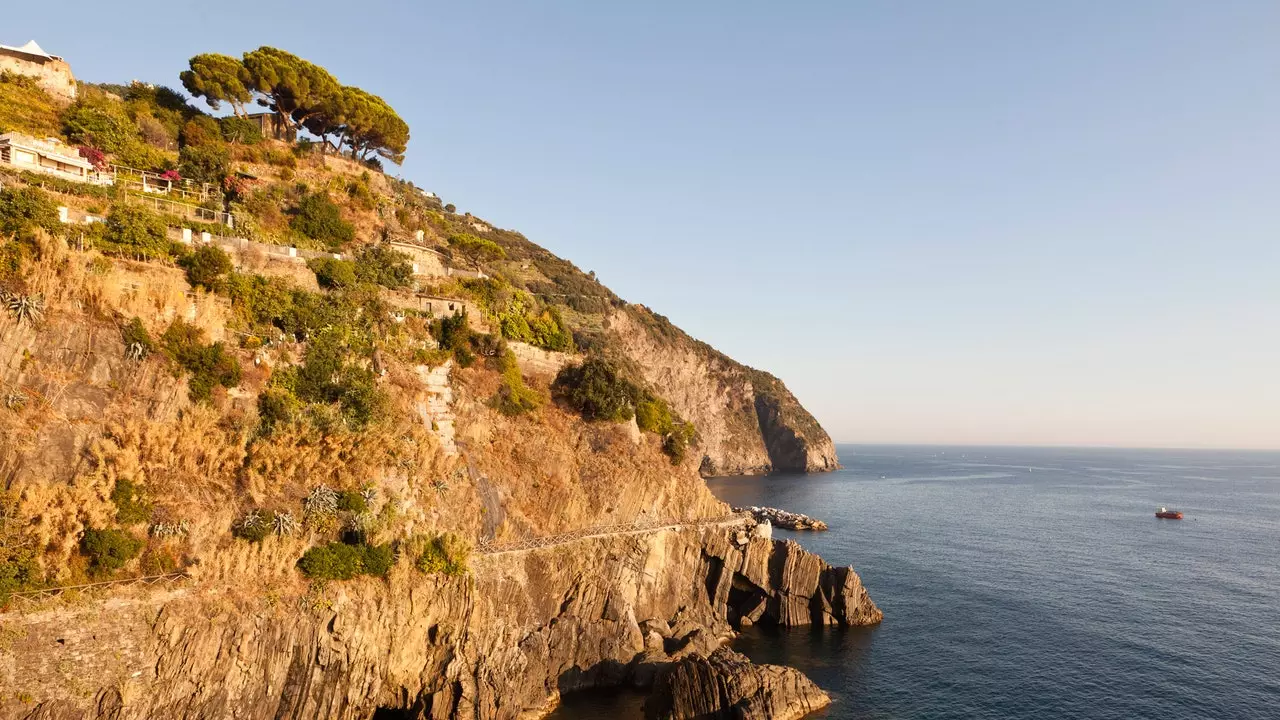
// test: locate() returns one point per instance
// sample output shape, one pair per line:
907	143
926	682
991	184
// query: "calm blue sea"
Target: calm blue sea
1036	583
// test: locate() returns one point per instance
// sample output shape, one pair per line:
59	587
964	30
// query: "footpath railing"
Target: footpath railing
490	548
33	596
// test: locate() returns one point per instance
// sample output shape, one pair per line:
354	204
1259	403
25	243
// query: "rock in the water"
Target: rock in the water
783	518
727	685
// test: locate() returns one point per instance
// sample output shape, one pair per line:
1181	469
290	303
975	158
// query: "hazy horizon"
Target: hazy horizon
983	223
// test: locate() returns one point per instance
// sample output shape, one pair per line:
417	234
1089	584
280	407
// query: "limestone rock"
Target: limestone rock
726	684
748	422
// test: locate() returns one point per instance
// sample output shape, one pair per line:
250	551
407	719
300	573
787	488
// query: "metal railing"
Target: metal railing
490	547
34	596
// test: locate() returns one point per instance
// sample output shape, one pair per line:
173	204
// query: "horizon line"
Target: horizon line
1202	448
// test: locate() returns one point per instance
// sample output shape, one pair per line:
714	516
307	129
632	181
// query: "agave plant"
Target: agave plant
15	400
440	485
284	524
27	309
369	493
136	351
170	529
321	501
251	519
363	522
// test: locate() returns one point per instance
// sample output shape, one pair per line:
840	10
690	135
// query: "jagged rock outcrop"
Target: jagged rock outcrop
748	422
503	643
728	685
783	518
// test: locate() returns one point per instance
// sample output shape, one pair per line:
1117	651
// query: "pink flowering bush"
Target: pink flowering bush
96	157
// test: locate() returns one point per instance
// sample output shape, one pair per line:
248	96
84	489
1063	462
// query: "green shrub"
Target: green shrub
24	209
18	546
677	442
259	301
101	123
204	163
200	131
453	333
209	365
140	155
137	340
550	333
333	273
134	230
132	504
352	501
445	554
326	376
513	396
597	390
317	217
240	130
378	560
109	549
206	267
515	326
277	407
340	561
282	158
383	266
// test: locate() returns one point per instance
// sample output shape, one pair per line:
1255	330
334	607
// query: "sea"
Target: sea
1033	583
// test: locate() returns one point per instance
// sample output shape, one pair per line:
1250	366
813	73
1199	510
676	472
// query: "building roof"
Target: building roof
31	48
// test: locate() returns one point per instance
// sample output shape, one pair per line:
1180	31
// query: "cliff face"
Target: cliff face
748	422
504	643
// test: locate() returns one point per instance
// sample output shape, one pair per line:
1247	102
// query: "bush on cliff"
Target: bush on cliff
444	554
596	390
209	365
340	561
513	396
317	217
332	273
207	267
109	549
132	230
25	209
18	546
132	504
137	341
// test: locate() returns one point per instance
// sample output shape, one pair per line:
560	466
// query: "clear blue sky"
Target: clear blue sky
969	222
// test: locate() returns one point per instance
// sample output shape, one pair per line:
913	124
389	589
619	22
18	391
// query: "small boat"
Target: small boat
1167	514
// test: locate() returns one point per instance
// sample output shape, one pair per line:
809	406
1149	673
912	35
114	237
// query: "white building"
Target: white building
51	157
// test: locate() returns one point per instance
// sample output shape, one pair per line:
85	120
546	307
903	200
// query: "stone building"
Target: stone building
272	126
51	72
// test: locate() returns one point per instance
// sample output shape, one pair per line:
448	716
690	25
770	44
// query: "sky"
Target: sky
980	222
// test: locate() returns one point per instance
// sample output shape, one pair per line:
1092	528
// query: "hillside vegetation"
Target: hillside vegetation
171	404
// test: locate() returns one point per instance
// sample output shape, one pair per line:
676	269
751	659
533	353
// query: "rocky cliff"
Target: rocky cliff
748	422
502	643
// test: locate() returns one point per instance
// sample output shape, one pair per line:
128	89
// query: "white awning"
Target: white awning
31	48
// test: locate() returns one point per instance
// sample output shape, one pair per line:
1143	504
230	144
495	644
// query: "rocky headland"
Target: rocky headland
782	518
343	452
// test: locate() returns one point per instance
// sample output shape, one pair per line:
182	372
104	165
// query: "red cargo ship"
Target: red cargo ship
1167	514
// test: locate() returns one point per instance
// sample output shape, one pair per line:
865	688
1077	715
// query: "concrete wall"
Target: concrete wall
426	263
54	76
